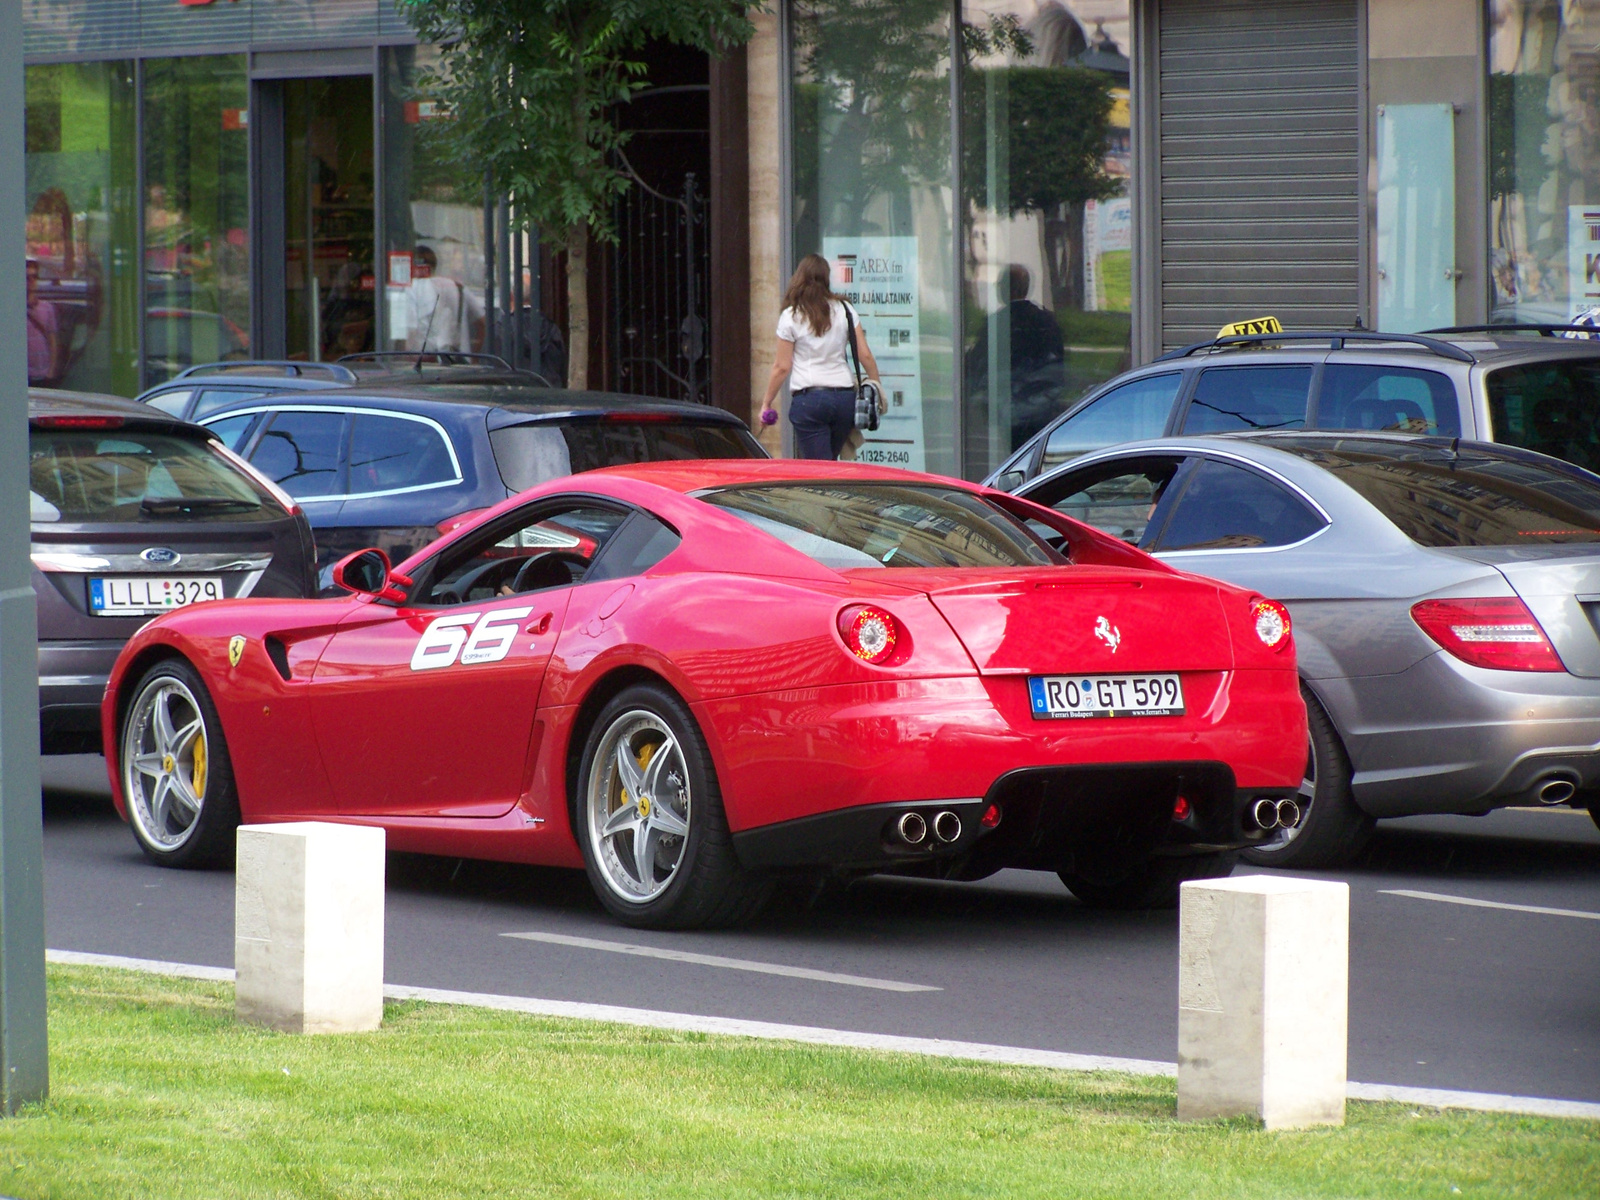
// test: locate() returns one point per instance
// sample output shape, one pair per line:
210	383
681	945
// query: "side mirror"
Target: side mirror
1010	481
367	573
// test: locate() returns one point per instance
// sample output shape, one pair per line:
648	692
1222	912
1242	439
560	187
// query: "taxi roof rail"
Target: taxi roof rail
1335	339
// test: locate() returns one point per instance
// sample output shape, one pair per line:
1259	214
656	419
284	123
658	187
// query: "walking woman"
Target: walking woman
813	357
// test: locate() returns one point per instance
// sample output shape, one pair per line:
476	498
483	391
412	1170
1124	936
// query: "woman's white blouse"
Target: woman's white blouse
818	361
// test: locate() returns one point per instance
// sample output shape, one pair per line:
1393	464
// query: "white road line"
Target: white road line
717	960
1469	901
812	1035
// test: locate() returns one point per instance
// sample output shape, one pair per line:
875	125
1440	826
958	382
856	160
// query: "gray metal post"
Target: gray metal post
24	1065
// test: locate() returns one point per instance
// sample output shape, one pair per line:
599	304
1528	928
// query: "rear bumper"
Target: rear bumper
72	682
1445	737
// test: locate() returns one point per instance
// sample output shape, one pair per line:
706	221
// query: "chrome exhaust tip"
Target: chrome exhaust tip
1557	791
1265	814
1288	814
912	828
947	827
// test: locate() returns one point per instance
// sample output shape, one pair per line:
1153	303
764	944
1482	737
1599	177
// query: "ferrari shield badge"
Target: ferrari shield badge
235	649
1108	633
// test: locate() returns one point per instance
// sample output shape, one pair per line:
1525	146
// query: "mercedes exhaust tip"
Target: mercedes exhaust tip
1557	791
947	827
912	828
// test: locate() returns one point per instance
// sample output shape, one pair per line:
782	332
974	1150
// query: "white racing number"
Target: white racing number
446	637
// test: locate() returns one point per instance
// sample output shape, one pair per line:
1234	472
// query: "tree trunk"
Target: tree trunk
578	307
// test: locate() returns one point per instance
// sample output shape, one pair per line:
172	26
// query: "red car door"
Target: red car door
427	709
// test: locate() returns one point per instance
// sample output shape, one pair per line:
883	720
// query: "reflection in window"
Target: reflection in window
82	227
1544	159
196	213
1228	507
387	453
872	167
1045	165
528	455
1551	407
300	452
1135	410
85	476
1392	399
1228	399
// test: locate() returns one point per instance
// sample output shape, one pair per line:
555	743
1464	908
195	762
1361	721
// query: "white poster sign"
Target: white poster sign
1583	258
878	275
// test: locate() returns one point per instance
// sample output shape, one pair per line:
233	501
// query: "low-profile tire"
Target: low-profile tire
1332	829
1151	884
650	821
177	778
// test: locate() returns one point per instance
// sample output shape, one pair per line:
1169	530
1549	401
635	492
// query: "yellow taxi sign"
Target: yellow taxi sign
1253	326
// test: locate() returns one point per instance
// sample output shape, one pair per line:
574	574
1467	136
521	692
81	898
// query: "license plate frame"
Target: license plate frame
1083	697
150	595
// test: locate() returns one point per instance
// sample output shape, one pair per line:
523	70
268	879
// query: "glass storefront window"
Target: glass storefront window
434	266
196	212
871	144
1544	159
1045	169
82	235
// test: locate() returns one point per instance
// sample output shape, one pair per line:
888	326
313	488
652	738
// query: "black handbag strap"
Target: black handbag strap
852	355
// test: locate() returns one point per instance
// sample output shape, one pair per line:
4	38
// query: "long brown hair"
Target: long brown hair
809	293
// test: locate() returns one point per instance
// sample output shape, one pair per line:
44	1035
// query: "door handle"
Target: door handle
542	625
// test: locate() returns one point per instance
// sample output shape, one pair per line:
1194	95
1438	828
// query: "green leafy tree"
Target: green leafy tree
532	86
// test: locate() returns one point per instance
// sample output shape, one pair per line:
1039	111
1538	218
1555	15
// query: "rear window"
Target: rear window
528	455
844	525
130	475
1472	499
392	454
1392	399
1551	407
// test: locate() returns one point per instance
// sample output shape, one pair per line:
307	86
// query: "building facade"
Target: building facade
1024	196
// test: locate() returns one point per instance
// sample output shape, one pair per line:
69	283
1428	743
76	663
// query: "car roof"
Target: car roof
1485	346
519	399
51	402
704	474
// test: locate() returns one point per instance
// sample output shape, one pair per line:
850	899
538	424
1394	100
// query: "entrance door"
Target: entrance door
317	283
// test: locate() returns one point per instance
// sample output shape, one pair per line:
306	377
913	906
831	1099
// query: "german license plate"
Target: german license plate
144	595
1054	697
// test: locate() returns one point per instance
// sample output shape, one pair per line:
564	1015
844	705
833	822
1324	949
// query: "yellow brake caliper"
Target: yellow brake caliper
199	776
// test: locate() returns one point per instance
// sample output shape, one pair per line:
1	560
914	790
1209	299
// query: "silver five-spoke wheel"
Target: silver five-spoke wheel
164	762
638	806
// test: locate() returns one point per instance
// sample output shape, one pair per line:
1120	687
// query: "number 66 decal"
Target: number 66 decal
446	637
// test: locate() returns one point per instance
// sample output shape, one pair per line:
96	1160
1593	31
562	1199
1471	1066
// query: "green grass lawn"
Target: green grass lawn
157	1092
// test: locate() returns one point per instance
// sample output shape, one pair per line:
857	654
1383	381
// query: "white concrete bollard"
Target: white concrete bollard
308	927
1263	997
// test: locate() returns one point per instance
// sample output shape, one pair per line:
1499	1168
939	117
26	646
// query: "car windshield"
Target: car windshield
1470	497
847	524
1552	407
131	475
528	455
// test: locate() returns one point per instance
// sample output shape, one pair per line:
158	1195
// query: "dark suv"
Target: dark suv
134	513
1530	387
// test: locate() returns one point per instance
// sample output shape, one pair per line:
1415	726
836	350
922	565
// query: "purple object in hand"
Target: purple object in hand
769	416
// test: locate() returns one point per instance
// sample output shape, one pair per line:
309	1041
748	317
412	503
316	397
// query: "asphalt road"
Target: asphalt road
1441	994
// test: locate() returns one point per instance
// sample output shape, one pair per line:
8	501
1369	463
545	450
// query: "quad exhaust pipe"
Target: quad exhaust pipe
914	829
1275	814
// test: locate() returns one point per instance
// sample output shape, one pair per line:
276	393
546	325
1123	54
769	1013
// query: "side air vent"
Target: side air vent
279	654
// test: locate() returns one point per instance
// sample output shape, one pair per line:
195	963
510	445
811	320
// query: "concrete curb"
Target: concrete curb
1016	1056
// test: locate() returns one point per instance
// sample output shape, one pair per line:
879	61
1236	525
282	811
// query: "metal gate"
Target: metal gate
661	337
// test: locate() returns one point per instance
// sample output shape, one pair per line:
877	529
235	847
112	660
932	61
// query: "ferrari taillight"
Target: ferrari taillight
869	633
1499	633
1271	622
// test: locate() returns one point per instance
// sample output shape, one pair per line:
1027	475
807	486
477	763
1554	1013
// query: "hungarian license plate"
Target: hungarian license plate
143	595
1063	696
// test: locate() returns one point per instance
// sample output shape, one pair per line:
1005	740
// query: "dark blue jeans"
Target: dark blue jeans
822	420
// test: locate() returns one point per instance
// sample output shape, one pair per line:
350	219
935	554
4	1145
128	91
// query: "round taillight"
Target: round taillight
870	633
1271	622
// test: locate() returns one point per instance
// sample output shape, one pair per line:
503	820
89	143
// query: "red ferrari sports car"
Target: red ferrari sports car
688	678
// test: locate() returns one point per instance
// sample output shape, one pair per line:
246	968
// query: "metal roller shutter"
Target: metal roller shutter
1260	164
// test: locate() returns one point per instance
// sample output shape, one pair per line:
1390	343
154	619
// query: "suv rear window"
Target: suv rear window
528	455
1440	499
843	525
130	475
1551	407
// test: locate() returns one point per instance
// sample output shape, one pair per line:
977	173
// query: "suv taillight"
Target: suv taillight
1499	633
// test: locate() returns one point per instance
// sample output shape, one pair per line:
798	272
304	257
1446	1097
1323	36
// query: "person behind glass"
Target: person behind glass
812	356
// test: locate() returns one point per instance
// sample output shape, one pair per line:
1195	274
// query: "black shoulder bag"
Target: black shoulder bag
867	400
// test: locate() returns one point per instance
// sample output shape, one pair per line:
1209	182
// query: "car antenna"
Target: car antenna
427	331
